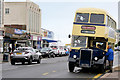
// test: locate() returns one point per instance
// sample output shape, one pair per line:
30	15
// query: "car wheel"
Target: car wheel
49	56
39	60
23	63
12	62
30	61
53	55
60	55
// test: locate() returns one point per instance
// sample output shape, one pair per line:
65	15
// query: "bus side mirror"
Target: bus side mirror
69	36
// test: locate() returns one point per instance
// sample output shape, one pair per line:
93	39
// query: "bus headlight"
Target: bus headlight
74	56
96	58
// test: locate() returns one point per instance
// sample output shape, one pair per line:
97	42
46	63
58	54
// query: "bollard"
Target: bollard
5	57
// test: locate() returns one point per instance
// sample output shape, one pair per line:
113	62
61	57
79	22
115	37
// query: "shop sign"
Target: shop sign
47	34
19	32
50	34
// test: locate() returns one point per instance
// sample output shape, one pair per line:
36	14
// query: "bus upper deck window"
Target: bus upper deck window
82	17
97	18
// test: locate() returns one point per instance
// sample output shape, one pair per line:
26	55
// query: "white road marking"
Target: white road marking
9	69
44	59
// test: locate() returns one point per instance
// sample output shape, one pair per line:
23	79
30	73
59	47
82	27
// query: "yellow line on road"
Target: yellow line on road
53	71
45	73
98	75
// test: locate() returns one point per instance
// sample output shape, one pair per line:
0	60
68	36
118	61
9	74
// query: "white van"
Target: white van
58	49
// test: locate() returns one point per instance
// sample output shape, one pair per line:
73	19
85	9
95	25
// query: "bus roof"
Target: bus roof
91	10
94	10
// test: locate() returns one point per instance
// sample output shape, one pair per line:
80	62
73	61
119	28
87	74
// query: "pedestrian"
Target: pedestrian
9	49
110	57
34	47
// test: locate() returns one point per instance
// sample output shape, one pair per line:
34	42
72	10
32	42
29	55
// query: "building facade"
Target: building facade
118	35
47	37
1	24
119	15
22	23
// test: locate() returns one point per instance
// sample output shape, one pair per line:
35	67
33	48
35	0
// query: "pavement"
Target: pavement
112	76
115	75
1	58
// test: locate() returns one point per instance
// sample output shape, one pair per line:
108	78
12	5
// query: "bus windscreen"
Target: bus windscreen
79	41
82	17
97	18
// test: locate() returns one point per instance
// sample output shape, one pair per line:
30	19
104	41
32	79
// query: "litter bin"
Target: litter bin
5	57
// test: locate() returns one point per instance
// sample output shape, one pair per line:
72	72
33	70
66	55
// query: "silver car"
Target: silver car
25	54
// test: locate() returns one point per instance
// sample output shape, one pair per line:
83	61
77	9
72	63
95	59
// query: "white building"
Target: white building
118	35
119	15
22	19
1	24
23	13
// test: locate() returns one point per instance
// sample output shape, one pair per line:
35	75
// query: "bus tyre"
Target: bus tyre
71	66
12	62
102	68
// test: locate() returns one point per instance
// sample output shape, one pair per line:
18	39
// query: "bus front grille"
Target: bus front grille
85	57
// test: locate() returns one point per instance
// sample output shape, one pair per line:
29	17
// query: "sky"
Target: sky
58	15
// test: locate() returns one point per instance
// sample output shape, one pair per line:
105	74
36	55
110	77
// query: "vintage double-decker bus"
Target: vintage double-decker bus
91	28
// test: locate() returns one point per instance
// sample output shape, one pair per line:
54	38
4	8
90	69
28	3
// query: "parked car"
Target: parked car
58	50
38	52
25	54
47	52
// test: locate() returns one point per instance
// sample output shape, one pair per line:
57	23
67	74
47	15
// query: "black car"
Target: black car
47	52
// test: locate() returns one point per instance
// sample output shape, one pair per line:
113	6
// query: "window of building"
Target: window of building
39	10
7	11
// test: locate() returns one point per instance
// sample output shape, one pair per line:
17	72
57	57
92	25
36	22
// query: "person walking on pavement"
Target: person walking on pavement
110	57
10	49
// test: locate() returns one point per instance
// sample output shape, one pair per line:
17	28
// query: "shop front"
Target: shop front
1	40
11	37
47	38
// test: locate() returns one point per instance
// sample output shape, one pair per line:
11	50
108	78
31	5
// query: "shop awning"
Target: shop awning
49	40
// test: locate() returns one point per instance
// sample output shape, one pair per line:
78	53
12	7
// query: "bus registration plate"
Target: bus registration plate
85	65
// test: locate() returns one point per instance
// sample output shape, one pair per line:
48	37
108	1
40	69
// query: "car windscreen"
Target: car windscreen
82	17
54	47
44	49
97	18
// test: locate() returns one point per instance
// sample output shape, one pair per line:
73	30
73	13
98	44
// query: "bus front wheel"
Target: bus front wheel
102	68
71	66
